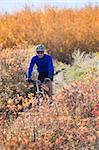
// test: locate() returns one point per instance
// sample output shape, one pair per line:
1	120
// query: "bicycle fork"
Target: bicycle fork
38	95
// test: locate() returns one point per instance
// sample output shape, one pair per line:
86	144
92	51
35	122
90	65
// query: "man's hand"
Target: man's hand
28	79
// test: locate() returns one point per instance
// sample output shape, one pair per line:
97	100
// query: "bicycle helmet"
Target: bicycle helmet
40	48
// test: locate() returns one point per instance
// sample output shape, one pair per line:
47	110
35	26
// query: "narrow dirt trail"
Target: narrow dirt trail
58	82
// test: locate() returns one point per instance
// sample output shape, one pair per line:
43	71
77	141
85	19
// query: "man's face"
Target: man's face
40	54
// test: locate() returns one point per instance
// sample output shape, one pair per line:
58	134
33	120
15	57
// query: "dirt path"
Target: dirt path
59	81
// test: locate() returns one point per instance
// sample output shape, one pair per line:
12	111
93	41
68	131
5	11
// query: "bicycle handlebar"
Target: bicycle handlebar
46	80
34	81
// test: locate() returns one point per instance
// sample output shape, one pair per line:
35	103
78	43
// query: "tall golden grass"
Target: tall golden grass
61	31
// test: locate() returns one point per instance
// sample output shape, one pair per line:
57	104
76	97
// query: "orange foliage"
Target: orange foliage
59	140
73	126
61	31
70	123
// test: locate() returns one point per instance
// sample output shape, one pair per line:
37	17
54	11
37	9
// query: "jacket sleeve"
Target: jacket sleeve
30	69
50	67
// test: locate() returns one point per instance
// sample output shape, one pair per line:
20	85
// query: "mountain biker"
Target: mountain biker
45	67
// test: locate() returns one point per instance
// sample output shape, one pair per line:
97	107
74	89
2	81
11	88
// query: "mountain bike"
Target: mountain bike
41	91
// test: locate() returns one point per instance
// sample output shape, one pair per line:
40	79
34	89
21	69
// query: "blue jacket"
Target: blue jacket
44	64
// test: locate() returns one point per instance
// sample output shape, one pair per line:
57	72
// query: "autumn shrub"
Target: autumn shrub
68	124
13	75
62	31
83	64
14	65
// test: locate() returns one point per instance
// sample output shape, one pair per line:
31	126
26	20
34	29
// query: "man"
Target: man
44	66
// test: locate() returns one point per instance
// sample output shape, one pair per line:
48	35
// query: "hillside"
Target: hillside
71	122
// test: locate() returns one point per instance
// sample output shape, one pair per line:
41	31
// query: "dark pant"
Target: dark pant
44	75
